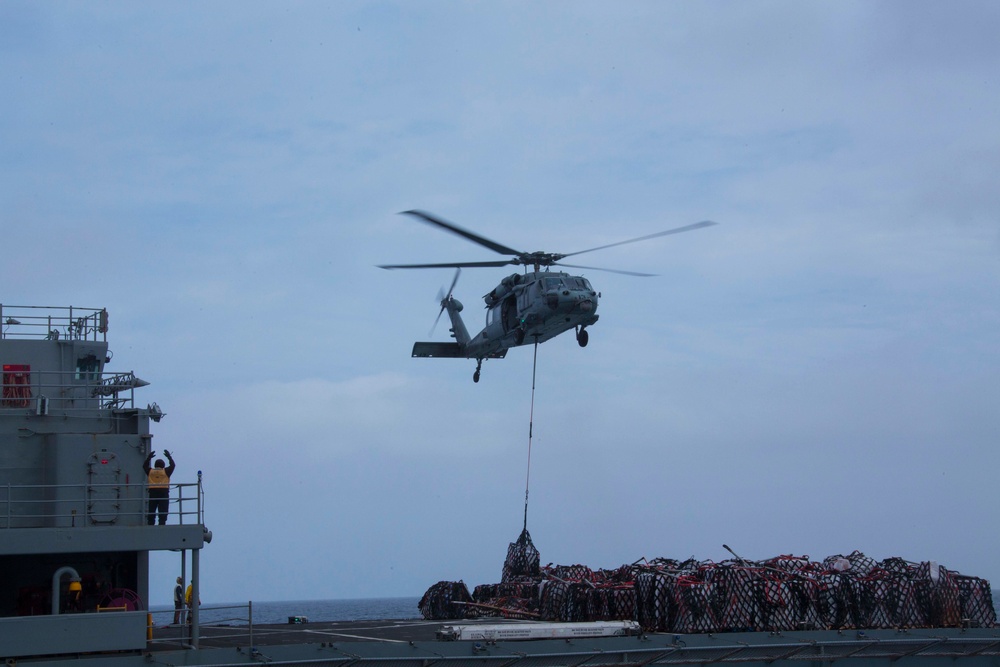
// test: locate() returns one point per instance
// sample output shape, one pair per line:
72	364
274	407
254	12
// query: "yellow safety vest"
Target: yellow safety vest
158	479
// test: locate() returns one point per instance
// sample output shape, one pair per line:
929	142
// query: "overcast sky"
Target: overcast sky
816	374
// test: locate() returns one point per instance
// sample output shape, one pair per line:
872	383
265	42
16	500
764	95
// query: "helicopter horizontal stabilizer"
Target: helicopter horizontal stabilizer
451	350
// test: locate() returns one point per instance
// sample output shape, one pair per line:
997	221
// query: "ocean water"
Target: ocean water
314	610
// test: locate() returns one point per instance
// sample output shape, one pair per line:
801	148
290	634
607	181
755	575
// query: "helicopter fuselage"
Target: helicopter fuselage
536	306
523	309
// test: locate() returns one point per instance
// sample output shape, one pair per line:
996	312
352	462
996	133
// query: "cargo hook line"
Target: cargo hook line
531	422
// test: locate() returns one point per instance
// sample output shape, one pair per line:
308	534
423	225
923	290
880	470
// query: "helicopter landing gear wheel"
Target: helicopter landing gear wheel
479	365
582	337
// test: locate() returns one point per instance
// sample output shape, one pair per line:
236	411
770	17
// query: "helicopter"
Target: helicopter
525	308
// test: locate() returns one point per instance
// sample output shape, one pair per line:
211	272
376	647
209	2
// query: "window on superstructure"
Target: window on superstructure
87	368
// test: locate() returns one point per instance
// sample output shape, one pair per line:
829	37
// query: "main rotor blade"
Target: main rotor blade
464	233
452	265
678	230
597	268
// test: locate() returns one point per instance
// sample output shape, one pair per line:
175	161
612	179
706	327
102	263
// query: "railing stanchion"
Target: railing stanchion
198	504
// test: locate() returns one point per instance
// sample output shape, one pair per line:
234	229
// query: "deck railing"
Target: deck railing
220	624
53	322
42	393
84	505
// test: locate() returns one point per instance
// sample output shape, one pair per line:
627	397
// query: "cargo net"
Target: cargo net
777	594
445	600
522	559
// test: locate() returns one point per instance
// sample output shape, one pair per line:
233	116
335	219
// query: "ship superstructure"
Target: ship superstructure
74	539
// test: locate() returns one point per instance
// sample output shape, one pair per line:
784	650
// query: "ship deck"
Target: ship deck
172	637
402	641
413	643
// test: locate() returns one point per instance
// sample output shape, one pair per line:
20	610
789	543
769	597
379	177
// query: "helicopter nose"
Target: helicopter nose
586	306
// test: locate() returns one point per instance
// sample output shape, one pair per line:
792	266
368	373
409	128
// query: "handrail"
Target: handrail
53	322
84	505
212	624
42	392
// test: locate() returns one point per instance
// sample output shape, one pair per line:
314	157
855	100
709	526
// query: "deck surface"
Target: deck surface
228	636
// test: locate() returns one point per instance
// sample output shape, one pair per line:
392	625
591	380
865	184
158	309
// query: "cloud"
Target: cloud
812	375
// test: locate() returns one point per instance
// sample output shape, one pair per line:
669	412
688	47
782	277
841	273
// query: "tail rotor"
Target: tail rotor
444	297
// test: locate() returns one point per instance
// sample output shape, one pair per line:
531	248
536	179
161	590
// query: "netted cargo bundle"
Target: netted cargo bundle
888	600
777	594
437	602
604	603
520	587
901	600
655	600
618	576
734	596
565	601
789	602
861	565
668	564
836	600
522	558
836	563
645	610
621	603
484	592
672	565
580	597
896	566
693	603
937	593
599	603
555	600
603	577
797	564
569	572
976	602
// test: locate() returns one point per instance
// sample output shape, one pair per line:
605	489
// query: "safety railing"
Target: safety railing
53	322
85	505
40	392
217	624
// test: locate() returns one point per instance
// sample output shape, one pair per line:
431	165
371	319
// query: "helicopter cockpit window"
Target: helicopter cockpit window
553	283
581	283
490	316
